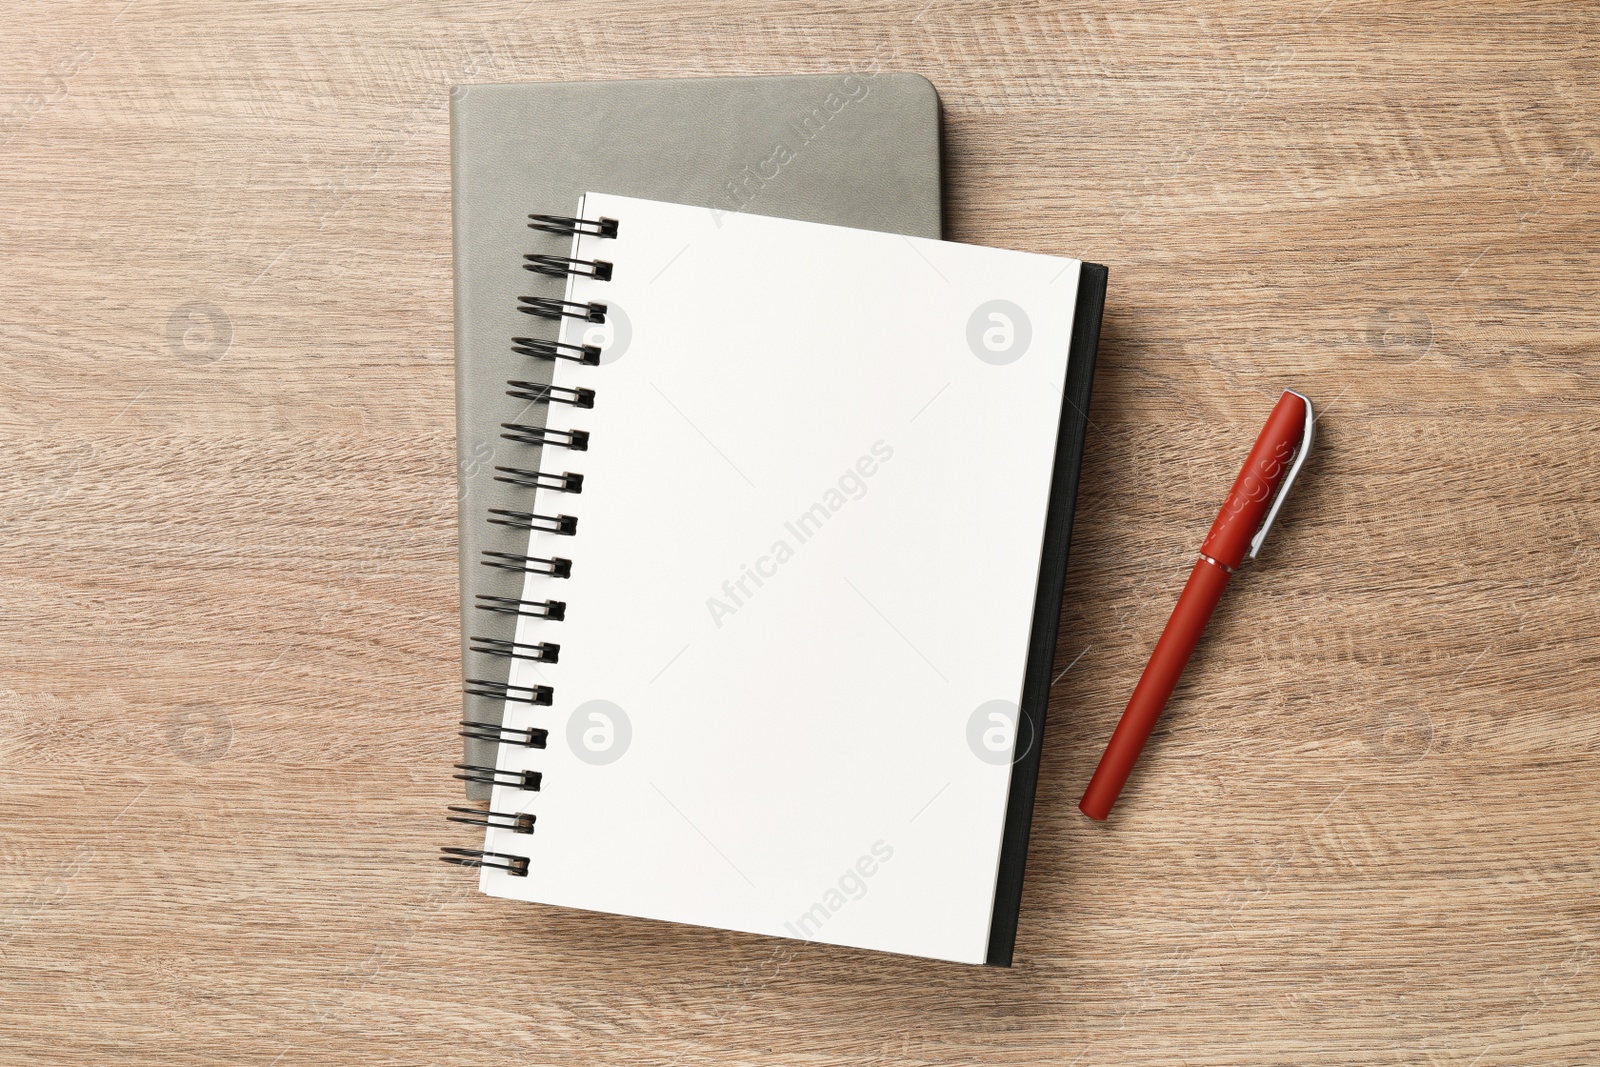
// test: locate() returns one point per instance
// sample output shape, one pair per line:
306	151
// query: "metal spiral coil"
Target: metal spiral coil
539	348
562	266
565	525
472	857
520	823
538	393
562	483
526	780
567	226
541	696
554	610
539	652
554	567
505	735
523	434
549	307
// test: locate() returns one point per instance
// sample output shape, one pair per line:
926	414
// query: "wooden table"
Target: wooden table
1369	829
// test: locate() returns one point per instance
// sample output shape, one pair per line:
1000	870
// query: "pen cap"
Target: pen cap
1252	494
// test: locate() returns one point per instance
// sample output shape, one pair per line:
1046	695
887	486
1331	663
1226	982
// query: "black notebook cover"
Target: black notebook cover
1070	441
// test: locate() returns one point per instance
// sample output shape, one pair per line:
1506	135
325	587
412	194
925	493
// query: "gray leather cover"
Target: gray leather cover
853	149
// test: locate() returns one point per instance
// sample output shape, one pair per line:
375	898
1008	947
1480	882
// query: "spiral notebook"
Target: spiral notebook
794	565
856	148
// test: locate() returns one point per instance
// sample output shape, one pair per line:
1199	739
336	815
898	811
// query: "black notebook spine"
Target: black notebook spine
550	569
1071	437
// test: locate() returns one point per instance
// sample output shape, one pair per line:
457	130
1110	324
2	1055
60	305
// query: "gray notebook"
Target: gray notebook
853	149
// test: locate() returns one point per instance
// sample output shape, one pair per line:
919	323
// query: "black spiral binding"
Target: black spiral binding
543	652
561	483
527	780
471	857
528	520
576	440
561	266
552	567
533	695
539	348
506	735
522	824
536	393
554	610
566	227
550	308
555	566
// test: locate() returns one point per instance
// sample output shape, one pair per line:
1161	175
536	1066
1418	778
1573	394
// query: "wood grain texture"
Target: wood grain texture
1367	831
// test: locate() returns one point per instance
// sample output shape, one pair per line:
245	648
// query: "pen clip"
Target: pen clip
1288	482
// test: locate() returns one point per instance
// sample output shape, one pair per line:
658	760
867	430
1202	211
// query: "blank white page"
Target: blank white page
803	573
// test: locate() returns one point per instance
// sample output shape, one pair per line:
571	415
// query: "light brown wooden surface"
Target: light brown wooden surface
1368	830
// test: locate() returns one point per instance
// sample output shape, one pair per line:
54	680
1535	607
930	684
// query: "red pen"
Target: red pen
1237	535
